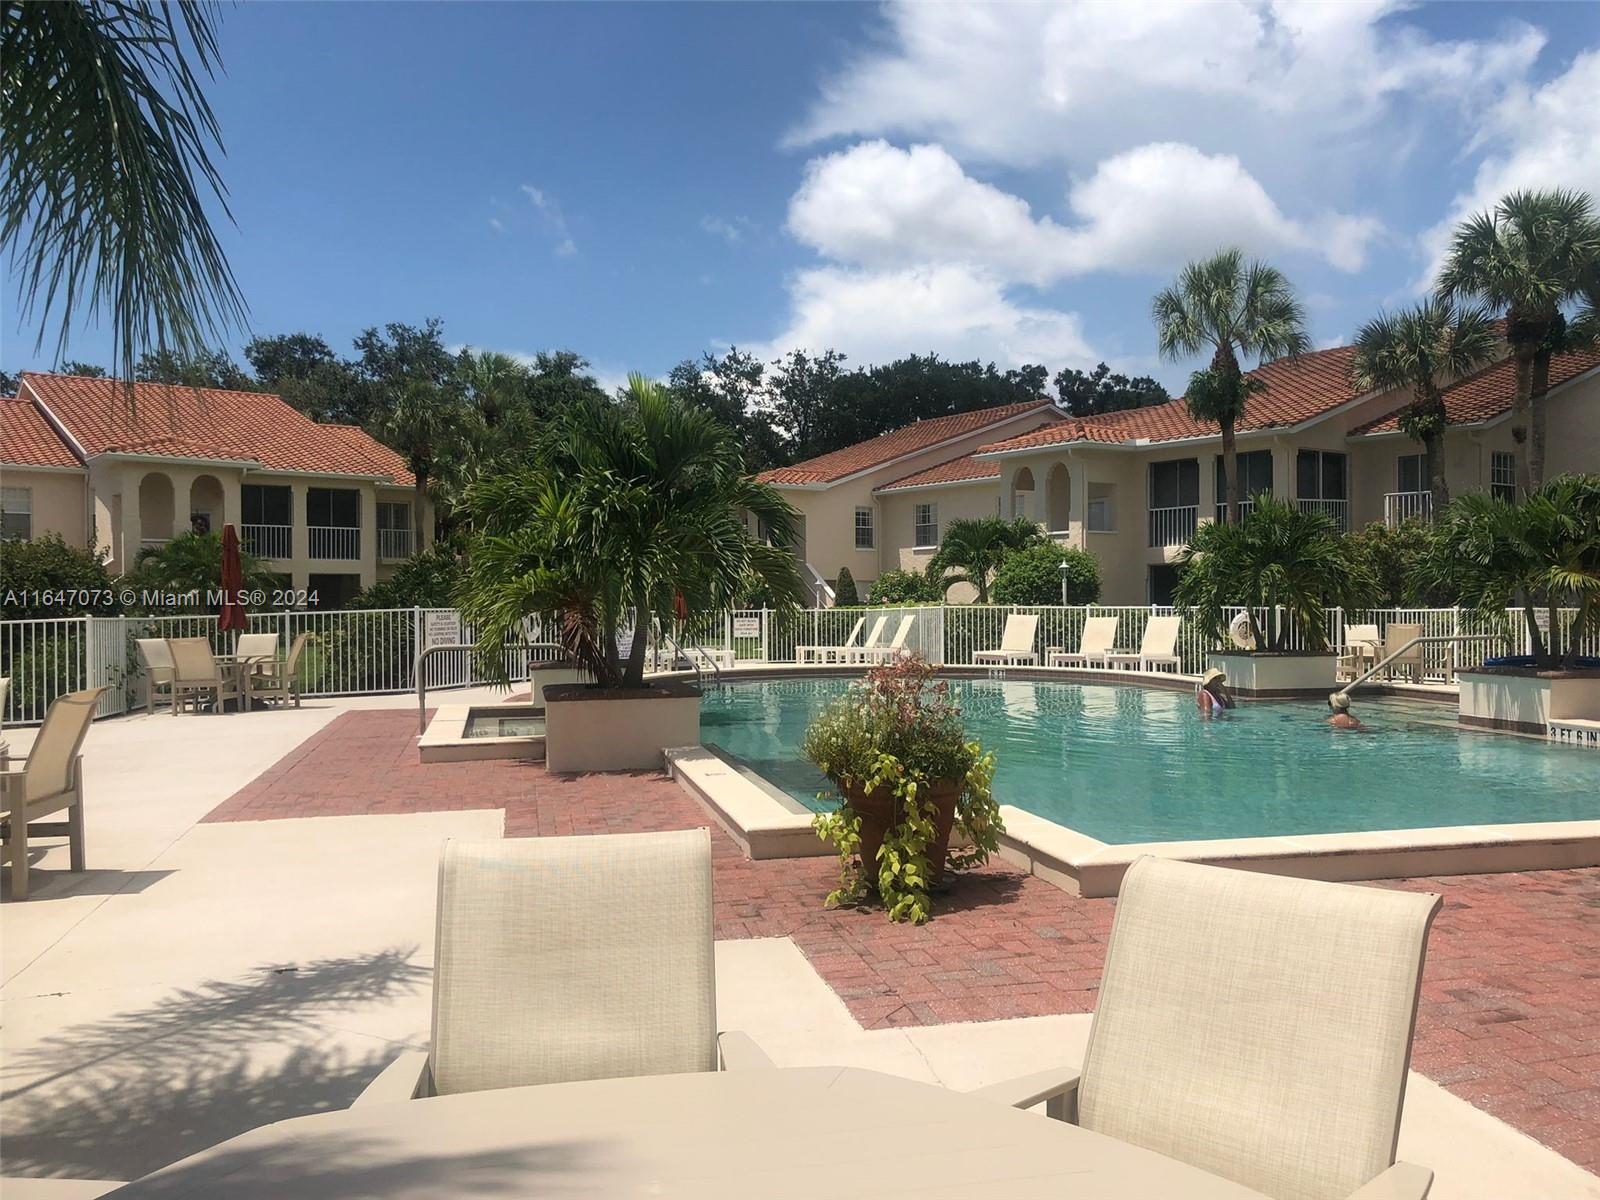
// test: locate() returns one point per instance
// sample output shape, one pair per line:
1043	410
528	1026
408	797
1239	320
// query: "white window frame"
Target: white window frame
17	502
924	517
867	526
1503	474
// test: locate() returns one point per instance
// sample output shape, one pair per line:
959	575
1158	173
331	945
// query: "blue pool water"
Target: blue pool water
1128	764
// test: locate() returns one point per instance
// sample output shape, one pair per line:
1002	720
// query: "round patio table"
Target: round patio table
754	1134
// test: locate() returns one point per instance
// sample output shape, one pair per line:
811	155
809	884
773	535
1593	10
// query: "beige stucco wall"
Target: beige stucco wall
1572	424
59	500
898	515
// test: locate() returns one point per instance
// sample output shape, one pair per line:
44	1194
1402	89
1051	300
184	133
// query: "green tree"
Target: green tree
1397	559
903	587
733	389
106	168
30	571
1033	576
844	589
1088	394
629	510
429	579
1231	308
974	547
494	383
1528	258
804	391
304	371
199	369
191	563
73	366
421	421
1420	350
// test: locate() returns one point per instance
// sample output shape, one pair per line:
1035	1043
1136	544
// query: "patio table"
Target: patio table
740	1135
242	667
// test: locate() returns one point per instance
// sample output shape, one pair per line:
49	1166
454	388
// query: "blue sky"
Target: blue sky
641	183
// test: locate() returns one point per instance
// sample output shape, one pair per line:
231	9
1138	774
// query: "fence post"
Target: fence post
766	629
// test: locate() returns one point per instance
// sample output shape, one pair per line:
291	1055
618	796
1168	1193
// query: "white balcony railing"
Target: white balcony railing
153	543
1407	506
268	541
1246	507
394	544
1173	526
1339	510
334	541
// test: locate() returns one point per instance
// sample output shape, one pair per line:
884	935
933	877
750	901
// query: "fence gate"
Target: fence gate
111	663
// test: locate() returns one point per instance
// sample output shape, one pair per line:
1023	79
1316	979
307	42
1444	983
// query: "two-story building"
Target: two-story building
327	507
1131	487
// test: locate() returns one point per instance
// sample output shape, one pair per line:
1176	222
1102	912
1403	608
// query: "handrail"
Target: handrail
422	676
716	671
1427	640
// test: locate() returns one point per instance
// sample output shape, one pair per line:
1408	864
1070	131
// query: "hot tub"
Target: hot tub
466	732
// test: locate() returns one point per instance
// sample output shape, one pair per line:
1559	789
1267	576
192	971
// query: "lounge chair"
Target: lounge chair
1410	661
276	678
851	654
1016	643
196	674
560	959
804	654
1360	648
1158	647
879	654
155	660
1255	1026
1099	636
49	779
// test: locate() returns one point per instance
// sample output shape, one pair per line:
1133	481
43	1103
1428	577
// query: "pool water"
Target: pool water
1130	764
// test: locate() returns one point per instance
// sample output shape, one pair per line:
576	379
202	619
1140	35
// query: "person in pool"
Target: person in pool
1211	697
1342	717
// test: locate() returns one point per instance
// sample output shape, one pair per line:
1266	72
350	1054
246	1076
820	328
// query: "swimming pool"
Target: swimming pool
1130	764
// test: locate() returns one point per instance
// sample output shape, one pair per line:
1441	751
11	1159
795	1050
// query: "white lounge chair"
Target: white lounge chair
825	654
155	660
1158	648
278	678
1016	643
196	674
1094	647
879	654
852	654
47	780
560	959
1255	1026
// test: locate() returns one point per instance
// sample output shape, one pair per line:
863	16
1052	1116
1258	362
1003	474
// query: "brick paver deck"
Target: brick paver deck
1510	1016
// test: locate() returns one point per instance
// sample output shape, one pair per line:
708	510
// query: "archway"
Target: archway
1057	498
205	505
1023	504
156	508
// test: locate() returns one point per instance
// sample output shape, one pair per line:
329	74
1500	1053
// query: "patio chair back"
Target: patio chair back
902	632
295	651
875	635
1367	634
1256	1026
192	660
154	656
66	723
1019	633
855	632
1396	636
257	645
5	690
1099	635
1160	636
569	958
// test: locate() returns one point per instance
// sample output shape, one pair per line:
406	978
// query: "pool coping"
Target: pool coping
764	821
446	740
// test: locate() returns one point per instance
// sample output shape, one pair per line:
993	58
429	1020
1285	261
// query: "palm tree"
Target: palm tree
421	422
1232	308
493	380
104	171
626	512
974	547
1528	258
1421	349
192	563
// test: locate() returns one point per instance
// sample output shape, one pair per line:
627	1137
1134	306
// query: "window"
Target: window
1163	581
394	514
329	508
1102	514
1255	479
864	540
263	505
1175	484
1319	475
1410	474
1503	476
16	513
926	522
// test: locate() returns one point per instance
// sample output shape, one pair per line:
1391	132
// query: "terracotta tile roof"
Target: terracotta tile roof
26	438
1488	394
957	470
1297	390
908	439
184	422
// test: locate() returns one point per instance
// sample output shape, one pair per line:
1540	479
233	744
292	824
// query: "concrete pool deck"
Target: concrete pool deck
255	939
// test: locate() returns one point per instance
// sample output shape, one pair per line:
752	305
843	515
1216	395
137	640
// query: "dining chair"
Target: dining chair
568	958
279	678
196	673
155	661
46	781
1255	1026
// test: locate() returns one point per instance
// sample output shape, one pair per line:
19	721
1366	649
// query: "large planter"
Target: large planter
1267	674
878	810
1525	700
588	728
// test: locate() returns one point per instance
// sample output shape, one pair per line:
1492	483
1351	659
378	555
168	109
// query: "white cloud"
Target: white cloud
731	231
496	224
555	222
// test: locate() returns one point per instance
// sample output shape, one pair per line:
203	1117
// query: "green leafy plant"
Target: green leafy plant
898	730
37	571
1033	576
426	580
844	589
902	587
190	565
974	547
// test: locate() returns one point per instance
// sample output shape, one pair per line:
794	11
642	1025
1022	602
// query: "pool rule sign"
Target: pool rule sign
441	627
747	627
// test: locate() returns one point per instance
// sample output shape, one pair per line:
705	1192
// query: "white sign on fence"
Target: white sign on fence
747	627
441	627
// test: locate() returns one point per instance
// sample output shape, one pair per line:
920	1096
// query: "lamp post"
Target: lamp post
1063	583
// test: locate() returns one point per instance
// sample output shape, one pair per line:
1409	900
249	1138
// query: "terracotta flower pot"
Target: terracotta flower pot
879	812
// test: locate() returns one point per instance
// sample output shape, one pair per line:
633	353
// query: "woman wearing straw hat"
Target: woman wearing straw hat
1211	697
1342	717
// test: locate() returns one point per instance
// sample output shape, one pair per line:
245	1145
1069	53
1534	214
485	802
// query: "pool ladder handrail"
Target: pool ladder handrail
421	676
699	675
1425	640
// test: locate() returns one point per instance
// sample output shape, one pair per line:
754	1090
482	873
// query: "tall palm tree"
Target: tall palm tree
493	381
421	422
1232	308
973	547
105	167
1420	349
1527	258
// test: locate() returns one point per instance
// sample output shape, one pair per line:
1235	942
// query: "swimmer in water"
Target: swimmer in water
1341	719
1211	697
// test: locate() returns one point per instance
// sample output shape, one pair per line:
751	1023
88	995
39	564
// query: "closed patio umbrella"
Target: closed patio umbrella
232	615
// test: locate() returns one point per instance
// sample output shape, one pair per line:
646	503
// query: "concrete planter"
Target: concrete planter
617	729
1525	701
1278	676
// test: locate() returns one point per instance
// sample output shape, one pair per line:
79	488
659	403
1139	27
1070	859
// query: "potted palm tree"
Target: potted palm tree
1283	568
630	515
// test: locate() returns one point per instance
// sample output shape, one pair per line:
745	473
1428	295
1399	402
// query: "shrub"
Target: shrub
902	587
190	565
1033	576
1397	559
425	580
844	590
47	564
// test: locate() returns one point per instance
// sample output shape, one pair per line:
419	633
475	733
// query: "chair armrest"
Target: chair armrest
1056	1088
738	1052
406	1078
1403	1181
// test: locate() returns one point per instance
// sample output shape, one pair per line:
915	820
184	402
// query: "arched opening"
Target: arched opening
155	511
205	505
1023	504
1057	498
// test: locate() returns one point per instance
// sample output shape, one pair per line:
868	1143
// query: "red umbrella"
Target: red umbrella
232	616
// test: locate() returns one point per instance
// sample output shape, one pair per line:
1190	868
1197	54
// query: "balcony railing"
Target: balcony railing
153	543
1407	506
335	541
394	544
268	541
1173	526
1339	510
1246	507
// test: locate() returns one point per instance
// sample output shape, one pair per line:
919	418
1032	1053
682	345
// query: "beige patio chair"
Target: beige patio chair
1360	648
1409	661
1254	1026
1158	648
560	959
280	678
155	660
1016	643
825	653
881	654
196	673
1099	636
47	780
853	654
